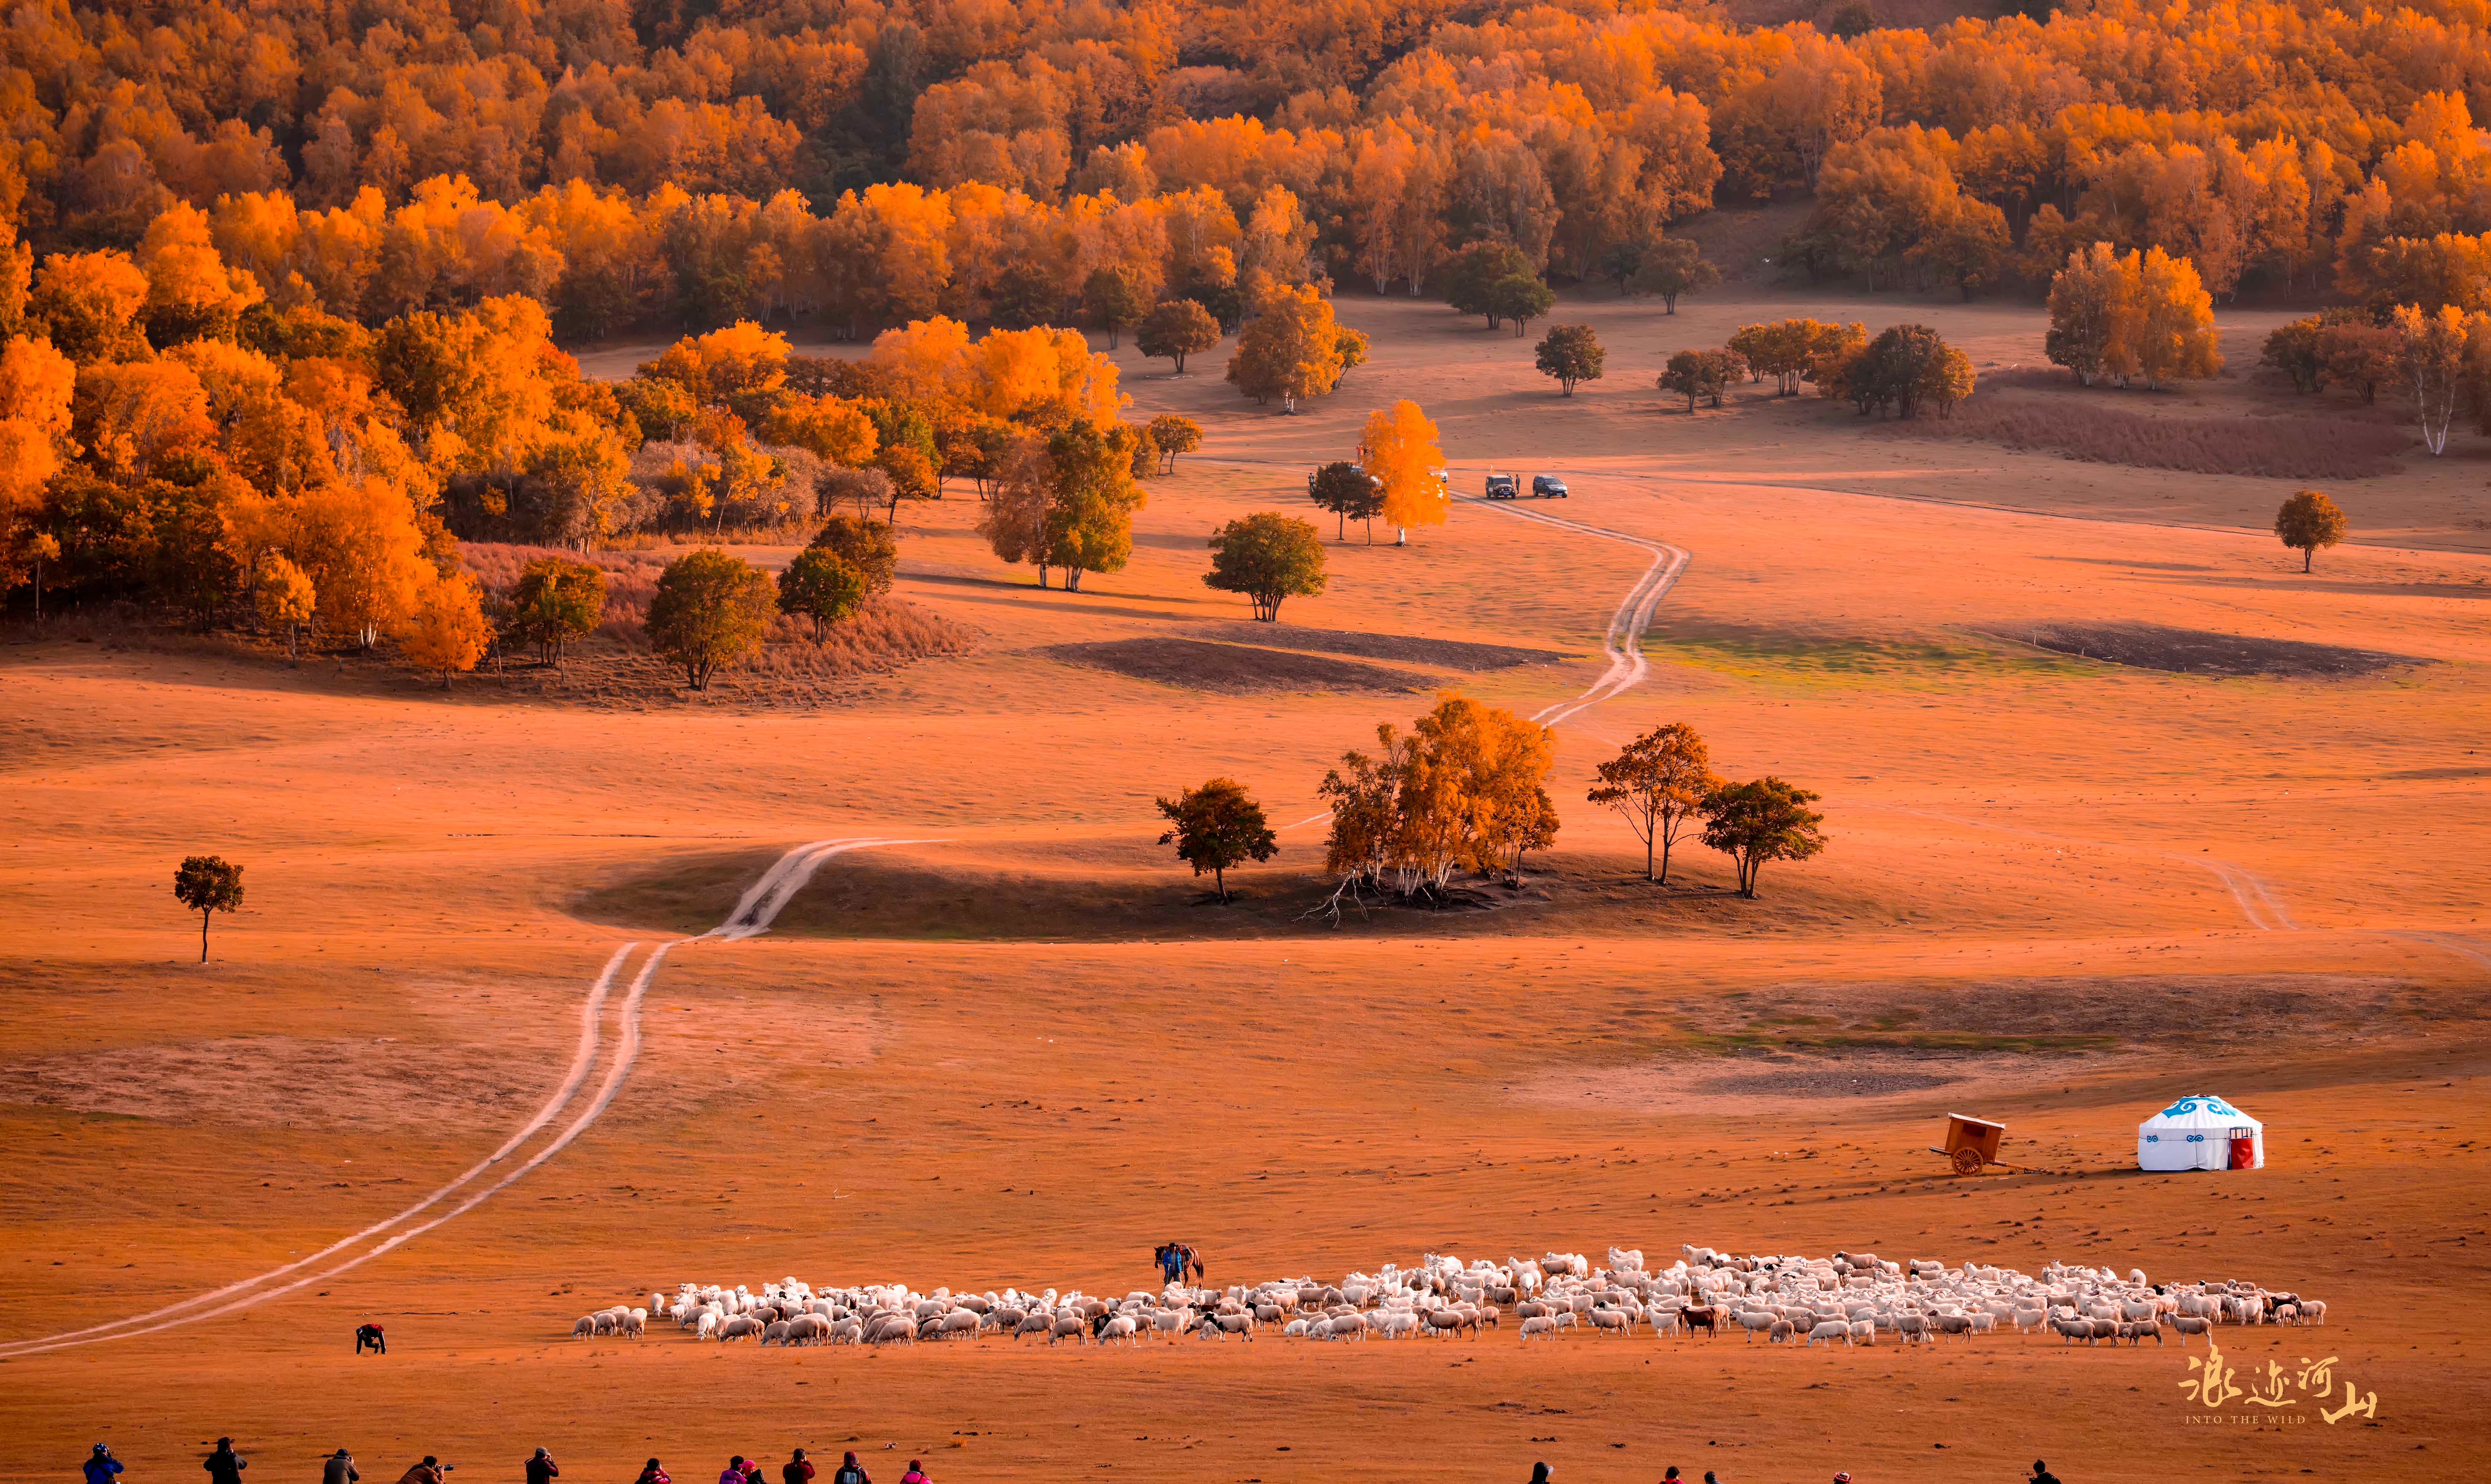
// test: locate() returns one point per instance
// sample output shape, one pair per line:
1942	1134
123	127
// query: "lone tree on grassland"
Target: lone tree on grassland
1571	353
1408	464
2307	522
1267	556
208	885
1177	329
1764	820
1658	782
1218	828
1466	786
710	609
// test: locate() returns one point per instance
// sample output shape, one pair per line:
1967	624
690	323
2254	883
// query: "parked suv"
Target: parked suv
1547	486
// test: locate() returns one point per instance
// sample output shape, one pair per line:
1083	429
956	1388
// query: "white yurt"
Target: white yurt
2201	1132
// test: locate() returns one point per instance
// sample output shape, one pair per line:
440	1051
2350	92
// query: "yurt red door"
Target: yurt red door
2244	1148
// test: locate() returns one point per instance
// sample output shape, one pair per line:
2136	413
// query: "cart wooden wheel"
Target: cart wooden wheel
1967	1162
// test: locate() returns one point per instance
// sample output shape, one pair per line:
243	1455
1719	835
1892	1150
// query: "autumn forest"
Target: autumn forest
289	282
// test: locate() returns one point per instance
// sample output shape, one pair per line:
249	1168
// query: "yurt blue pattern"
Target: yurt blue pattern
2200	1131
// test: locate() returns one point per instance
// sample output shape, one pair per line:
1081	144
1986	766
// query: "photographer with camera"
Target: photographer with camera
432	1470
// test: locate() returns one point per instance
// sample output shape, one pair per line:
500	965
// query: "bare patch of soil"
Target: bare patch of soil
2050	1013
1407	649
2197	652
1837	1080
1235	669
282	1082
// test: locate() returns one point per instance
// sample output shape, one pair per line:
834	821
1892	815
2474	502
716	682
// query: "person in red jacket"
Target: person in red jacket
543	1469
916	1475
652	1473
798	1469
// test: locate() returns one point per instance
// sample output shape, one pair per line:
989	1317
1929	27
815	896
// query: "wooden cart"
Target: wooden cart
1972	1144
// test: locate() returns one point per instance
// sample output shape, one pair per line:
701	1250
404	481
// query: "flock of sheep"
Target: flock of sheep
1852	1298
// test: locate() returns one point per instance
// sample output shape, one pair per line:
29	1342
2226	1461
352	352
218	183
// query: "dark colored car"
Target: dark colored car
1547	486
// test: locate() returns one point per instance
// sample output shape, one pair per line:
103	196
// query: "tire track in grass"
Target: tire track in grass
754	912
1621	640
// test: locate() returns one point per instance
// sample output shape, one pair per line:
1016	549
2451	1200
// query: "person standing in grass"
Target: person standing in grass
224	1465
798	1469
851	1471
101	1466
916	1475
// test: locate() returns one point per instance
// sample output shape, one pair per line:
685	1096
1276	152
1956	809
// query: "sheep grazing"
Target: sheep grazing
1850	1297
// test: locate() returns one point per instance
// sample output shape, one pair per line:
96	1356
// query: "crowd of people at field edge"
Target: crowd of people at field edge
1542	1473
224	1465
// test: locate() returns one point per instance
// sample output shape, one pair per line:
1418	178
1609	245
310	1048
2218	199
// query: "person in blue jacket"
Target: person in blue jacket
102	1465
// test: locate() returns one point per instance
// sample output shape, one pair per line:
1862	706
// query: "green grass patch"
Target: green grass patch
1724	1043
1810	660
